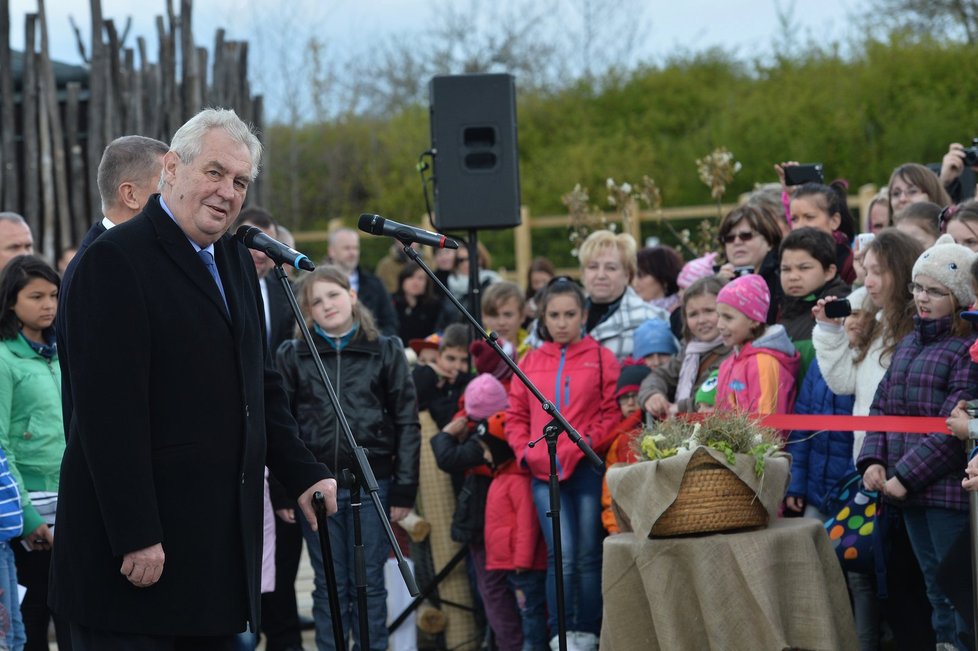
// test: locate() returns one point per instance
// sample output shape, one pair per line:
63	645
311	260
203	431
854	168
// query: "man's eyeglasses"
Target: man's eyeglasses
933	292
743	236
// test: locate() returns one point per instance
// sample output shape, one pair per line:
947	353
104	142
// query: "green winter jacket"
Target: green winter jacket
31	428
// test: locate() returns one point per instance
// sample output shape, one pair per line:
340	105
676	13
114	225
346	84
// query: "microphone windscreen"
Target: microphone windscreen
373	224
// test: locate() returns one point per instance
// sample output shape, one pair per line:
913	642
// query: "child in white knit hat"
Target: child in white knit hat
930	372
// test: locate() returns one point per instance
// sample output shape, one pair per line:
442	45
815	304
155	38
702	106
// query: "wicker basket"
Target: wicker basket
711	499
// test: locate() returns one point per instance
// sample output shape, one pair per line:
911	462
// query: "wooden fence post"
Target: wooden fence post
8	149
29	113
523	242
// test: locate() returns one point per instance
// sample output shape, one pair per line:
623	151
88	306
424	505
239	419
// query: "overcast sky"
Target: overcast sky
350	27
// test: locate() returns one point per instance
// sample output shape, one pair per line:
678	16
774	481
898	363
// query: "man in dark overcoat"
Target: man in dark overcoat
176	413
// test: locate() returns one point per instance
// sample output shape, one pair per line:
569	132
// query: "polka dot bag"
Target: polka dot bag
854	524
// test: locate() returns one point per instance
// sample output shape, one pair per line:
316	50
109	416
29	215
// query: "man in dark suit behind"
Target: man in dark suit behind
175	415
128	175
344	252
280	614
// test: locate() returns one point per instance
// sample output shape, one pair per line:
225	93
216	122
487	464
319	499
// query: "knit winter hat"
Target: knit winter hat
950	265
485	359
696	269
428	343
484	396
631	378
749	295
654	336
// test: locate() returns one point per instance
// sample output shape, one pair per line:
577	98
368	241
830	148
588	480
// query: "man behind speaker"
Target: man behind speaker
344	252
280	615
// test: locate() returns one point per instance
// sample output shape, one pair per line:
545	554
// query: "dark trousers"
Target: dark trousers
87	639
906	607
32	573
279	612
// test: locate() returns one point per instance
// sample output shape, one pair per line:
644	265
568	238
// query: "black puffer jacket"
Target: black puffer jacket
377	395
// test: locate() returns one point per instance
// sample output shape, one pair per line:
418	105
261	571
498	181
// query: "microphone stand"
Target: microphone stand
552	431
364	473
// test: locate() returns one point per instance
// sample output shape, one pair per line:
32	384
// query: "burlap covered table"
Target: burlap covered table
771	589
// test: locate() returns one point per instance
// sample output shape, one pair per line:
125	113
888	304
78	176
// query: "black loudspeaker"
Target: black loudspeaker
476	162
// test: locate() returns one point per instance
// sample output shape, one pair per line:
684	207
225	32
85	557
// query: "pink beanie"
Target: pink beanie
749	295
696	269
484	396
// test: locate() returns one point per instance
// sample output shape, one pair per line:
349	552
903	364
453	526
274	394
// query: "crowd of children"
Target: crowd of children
746	329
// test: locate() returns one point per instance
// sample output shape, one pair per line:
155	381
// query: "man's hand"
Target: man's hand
328	488
143	567
286	515
874	479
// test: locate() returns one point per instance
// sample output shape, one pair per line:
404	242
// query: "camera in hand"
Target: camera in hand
971	154
801	174
838	309
745	270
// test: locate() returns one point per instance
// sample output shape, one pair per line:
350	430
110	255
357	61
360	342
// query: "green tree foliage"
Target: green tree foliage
892	102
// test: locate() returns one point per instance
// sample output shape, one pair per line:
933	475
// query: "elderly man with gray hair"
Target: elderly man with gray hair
176	414
15	237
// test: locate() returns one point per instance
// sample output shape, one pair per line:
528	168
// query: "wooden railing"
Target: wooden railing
523	234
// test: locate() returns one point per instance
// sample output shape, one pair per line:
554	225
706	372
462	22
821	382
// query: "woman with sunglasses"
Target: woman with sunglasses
750	237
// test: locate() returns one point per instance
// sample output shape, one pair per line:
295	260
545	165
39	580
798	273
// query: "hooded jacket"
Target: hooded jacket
819	459
579	379
759	378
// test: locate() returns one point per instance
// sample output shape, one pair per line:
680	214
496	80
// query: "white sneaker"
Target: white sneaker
572	643
583	641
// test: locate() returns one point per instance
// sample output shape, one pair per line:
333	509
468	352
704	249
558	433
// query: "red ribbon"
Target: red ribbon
817	422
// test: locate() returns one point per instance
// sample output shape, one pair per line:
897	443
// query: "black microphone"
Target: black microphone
255	238
377	225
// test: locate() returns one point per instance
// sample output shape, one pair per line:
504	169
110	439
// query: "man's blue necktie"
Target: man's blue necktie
211	265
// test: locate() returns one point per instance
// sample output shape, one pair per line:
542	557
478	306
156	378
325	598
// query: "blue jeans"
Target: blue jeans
932	530
376	549
530	588
580	537
12	624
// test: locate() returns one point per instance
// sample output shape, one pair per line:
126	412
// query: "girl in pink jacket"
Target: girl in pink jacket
578	376
759	377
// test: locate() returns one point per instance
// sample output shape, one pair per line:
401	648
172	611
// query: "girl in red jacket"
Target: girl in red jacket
578	376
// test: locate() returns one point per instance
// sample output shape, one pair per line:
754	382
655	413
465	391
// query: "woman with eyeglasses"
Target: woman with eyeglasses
886	317
930	372
912	183
750	237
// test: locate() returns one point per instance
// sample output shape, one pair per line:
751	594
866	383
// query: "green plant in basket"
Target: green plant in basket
730	433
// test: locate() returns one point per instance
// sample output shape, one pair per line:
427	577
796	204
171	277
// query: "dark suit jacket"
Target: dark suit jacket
59	325
280	314
175	416
373	296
